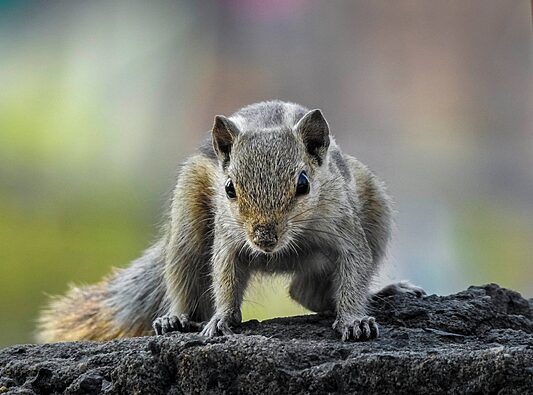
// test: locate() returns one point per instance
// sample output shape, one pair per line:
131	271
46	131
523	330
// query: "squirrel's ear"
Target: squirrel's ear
223	134
314	130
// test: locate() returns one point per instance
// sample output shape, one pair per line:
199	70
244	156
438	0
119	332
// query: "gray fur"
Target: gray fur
207	150
331	240
137	292
270	114
339	162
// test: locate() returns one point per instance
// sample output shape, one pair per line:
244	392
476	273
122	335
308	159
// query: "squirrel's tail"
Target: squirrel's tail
124	304
81	314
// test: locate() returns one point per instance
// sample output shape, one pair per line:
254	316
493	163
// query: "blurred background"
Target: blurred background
101	101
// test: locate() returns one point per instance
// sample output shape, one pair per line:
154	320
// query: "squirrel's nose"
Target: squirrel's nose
264	236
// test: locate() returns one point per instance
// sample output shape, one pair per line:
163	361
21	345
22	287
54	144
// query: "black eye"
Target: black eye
230	189
302	187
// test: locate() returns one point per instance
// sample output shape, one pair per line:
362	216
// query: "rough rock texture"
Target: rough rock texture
477	341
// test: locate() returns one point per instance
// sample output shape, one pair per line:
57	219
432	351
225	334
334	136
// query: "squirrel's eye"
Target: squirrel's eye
230	189
302	187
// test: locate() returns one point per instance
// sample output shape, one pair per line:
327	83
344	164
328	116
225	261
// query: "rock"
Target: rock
477	341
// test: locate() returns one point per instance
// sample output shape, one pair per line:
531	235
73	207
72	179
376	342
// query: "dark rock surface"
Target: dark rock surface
477	341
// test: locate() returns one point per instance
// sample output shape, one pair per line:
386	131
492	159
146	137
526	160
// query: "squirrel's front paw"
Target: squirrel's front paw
364	328
217	325
173	323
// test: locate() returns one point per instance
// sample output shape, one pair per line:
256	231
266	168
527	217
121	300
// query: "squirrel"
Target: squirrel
269	192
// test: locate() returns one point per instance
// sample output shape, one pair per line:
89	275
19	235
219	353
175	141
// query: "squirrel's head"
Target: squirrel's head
271	177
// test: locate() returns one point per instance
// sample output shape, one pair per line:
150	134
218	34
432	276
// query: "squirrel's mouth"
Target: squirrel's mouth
267	248
270	247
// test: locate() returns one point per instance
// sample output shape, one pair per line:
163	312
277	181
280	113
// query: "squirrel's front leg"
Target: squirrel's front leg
353	276
229	283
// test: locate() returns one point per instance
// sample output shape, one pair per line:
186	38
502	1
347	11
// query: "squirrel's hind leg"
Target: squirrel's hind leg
401	287
313	291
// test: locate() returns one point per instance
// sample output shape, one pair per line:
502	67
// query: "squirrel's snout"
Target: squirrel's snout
265	237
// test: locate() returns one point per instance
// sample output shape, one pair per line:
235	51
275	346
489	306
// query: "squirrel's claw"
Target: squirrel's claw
217	325
166	324
359	329
172	323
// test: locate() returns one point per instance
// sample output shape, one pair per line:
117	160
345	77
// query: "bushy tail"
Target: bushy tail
124	304
81	314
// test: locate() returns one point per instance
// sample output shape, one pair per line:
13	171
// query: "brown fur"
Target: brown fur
188	272
375	206
80	315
